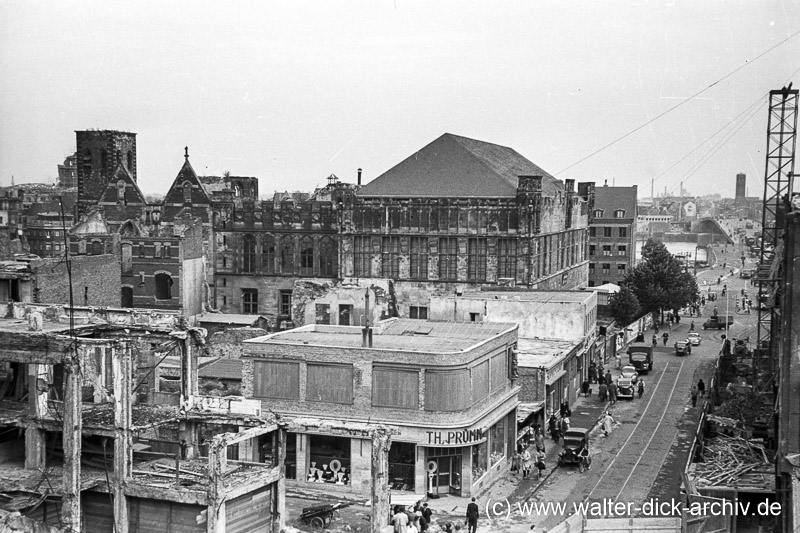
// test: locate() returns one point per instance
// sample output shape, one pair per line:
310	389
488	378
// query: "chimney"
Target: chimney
359	177
366	331
569	185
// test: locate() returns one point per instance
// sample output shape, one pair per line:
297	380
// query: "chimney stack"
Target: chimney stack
366	331
359	177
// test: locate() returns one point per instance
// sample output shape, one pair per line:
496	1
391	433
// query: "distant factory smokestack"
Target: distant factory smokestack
359	177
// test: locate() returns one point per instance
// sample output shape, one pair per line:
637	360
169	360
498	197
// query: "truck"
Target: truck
640	356
718	322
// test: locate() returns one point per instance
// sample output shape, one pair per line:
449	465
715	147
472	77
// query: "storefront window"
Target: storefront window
329	460
479	458
497	440
401	466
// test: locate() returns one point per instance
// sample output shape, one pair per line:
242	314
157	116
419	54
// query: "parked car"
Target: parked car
747	273
683	348
629	372
625	388
576	440
718	322
694	338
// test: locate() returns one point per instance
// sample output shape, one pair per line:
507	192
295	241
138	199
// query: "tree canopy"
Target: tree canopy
624	306
659	281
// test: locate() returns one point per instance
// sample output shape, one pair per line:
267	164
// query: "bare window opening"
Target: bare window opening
163	287
130	160
104	159
187	192
97	248
120	191
474	317
306	256
127	297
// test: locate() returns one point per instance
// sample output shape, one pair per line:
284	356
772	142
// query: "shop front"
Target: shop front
456	461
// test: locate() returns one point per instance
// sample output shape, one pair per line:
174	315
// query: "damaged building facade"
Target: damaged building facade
84	448
446	391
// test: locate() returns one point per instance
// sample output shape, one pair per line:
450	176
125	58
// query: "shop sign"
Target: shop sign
454	438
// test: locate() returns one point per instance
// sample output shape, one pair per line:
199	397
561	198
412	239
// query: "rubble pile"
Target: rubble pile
734	461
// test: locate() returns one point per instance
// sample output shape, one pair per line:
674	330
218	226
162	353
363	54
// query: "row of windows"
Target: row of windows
261	256
442	218
250	301
607	231
606	268
87	160
607	249
619	213
445	390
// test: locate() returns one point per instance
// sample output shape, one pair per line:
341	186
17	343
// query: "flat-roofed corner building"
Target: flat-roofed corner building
446	390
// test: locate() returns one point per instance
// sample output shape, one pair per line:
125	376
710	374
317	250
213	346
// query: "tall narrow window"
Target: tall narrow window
104	159
448	258
390	257
249	301
248	253
163	286
130	161
507	258
187	192
287	254
268	254
286	304
306	256
419	258
327	257
120	191
362	257
476	259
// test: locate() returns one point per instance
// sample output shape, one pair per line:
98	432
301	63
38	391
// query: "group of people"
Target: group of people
413	520
697	390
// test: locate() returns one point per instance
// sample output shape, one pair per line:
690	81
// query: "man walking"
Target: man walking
472	516
701	387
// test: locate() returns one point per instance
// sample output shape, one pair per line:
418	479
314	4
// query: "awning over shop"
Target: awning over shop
524	410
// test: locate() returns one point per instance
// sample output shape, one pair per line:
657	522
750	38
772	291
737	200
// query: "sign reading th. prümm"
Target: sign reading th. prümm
467	436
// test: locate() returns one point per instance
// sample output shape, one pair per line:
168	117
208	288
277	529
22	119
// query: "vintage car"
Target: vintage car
694	338
629	372
576	445
625	388
683	348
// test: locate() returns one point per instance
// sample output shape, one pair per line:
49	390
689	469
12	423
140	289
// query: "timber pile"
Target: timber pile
744	407
734	462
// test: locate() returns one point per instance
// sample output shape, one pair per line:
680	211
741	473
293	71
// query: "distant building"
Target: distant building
741	188
68	172
612	232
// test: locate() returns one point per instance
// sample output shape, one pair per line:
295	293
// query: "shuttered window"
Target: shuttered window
329	383
480	381
447	390
499	370
393	387
273	379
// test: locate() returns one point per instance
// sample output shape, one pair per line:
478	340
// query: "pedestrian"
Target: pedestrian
619	361
603	391
427	512
655	340
691	327
539	440
516	461
612	393
701	386
557	434
592	372
665	336
608	378
694	395
472	516
422	523
641	388
564	425
585	388
540	466
412	526
607	424
400	520
526	463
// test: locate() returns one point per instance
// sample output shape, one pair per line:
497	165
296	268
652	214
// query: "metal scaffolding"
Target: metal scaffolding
778	177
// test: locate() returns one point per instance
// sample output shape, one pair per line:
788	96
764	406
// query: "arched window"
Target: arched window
187	192
287	255
327	257
248	253
120	191
268	254
163	286
97	248
130	161
306	256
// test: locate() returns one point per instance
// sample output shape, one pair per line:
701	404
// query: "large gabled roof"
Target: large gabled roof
458	167
609	199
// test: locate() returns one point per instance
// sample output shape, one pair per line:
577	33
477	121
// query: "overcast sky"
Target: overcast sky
292	92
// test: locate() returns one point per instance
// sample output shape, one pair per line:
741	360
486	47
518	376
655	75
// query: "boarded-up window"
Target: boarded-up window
499	370
447	390
273	379
393	387
330	383
480	381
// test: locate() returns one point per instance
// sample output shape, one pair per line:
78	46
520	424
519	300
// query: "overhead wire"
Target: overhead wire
676	106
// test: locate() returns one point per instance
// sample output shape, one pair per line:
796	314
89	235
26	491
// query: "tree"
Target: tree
624	306
659	281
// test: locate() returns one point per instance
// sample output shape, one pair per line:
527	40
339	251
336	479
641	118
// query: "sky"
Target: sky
292	92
